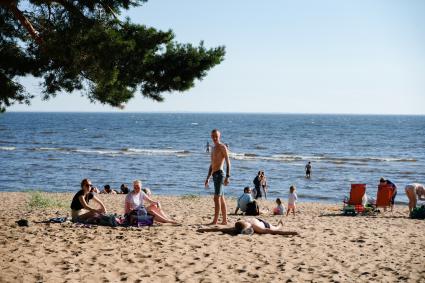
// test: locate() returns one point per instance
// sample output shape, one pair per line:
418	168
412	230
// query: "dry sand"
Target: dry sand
331	248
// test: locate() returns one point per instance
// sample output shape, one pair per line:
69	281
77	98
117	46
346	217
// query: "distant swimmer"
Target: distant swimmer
308	170
207	147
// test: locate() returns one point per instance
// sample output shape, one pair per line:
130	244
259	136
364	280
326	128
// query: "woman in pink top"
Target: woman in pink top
134	201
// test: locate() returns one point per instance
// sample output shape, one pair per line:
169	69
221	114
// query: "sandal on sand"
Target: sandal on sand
83	225
22	223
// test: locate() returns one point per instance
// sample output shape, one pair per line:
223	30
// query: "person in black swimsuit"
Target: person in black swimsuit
80	209
308	170
252	225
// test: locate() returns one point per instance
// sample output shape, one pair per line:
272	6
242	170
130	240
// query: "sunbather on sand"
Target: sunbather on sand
135	201
250	226
80	210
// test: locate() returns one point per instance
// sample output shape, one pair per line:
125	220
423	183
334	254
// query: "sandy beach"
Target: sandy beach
388	247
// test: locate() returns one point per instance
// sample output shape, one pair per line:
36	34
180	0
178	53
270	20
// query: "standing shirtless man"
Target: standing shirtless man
218	156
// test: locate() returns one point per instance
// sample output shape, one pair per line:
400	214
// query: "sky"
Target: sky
327	56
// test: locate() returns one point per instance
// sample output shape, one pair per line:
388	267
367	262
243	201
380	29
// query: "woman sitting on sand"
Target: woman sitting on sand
80	210
134	202
249	226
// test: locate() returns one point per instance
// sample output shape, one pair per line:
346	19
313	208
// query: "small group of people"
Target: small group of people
219	156
246	198
292	200
108	190
134	201
414	192
134	205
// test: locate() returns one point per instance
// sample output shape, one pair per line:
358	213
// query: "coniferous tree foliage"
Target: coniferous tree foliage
82	45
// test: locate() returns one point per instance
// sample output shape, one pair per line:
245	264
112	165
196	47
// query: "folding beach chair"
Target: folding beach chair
383	196
354	205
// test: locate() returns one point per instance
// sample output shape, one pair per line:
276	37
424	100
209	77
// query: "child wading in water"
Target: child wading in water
292	199
279	209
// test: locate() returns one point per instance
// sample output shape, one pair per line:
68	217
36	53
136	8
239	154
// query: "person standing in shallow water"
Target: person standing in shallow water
308	170
219	155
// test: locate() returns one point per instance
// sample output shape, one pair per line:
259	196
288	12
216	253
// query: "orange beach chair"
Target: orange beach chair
356	196
383	196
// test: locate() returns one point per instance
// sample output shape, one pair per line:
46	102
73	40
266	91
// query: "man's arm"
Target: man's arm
208	177
226	158
230	230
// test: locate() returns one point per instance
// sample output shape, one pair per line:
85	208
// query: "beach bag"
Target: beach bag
139	218
418	212
144	220
252	209
108	220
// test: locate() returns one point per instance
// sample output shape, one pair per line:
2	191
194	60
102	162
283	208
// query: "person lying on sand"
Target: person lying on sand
251	225
134	201
80	210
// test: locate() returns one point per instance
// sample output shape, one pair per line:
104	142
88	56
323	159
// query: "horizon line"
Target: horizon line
219	112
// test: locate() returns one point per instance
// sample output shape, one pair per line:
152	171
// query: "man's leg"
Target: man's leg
216	209
393	200
411	195
223	210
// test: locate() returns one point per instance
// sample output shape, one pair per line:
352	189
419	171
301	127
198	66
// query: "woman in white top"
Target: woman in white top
134	201
414	192
292	199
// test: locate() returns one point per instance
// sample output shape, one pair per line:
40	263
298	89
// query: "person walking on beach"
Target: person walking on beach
292	199
219	155
308	170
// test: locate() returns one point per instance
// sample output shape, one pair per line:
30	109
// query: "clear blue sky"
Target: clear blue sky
356	56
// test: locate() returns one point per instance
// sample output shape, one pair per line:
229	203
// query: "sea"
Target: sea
53	152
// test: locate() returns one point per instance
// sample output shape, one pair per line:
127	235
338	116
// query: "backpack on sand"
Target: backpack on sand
252	209
418	212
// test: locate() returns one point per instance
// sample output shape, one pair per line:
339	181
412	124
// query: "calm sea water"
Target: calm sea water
54	151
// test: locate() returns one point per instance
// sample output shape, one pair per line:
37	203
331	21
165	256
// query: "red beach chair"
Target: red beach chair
383	196
354	204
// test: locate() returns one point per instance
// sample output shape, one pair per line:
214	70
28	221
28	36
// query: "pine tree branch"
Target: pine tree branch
25	22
